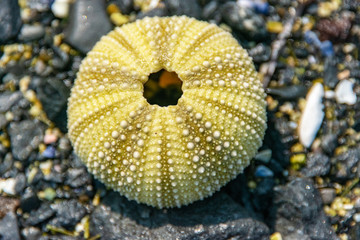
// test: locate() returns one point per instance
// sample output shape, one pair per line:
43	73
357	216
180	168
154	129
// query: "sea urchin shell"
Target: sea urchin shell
174	155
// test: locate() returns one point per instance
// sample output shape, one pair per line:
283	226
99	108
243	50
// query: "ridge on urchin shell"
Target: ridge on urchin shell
167	156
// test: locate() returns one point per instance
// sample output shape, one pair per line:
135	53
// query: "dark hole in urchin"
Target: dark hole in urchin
163	88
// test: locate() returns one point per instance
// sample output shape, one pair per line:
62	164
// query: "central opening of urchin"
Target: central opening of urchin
163	88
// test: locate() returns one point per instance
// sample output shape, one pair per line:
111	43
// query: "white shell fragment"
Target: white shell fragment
312	115
344	92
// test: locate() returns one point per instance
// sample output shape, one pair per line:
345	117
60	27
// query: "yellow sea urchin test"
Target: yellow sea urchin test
173	155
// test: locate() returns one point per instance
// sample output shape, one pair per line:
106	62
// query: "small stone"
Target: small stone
25	136
317	164
50	138
7	204
329	143
68	214
299	213
330	72
29	200
9	228
31	32
53	95
274	27
10	20
262	172
77	177
184	7
8	186
9	99
328	195
49	152
60	8
88	22
312	116
48	194
344	92
31	233
40	215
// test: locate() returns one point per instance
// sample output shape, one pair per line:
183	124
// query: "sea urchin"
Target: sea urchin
172	155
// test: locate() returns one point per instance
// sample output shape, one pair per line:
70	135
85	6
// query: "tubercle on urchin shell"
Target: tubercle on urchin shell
167	156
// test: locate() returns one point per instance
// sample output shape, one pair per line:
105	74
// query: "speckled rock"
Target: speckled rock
9	229
25	137
10	20
298	212
9	99
68	213
216	218
317	164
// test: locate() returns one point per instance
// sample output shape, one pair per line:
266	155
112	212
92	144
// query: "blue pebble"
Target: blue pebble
49	152
262	172
261	7
327	49
312	39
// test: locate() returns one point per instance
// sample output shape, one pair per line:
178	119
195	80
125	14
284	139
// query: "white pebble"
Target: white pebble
344	92
60	8
312	115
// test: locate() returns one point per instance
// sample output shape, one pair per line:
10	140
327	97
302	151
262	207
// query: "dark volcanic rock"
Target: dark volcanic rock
53	95
298	212
217	217
10	20
25	136
83	32
317	164
68	213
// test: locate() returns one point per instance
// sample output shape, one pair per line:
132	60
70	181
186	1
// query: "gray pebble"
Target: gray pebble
25	136
31	32
327	195
10	20
83	32
9	229
9	99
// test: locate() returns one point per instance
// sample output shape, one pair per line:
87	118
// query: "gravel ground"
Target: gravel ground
303	184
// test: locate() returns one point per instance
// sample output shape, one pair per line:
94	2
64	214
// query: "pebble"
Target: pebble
126	6
8	204
43	213
10	20
88	22
288	92
31	233
50	137
8	186
330	72
317	164
299	212
312	116
68	214
31	32
29	200
9	227
60	8
263	172
328	195
183	7
49	152
53	95
25	136
9	99
344	92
